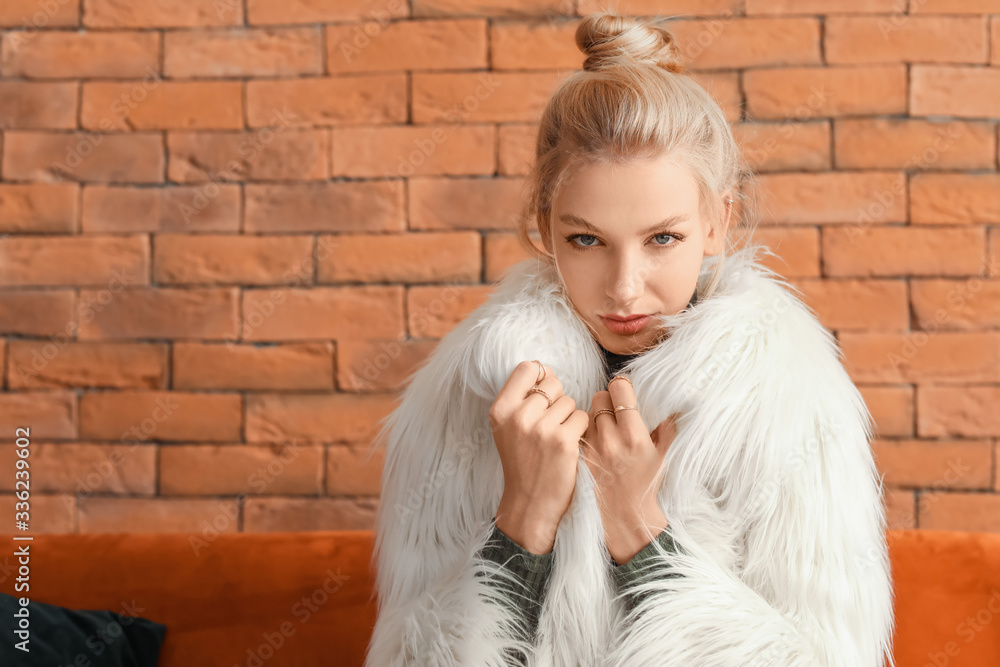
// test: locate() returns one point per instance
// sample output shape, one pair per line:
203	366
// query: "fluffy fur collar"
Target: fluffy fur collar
770	489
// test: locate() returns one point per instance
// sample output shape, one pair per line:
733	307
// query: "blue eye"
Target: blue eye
668	236
583	236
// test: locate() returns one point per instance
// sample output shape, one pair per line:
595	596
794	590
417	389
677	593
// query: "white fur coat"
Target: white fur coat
770	489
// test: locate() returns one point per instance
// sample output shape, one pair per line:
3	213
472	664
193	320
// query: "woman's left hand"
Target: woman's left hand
625	460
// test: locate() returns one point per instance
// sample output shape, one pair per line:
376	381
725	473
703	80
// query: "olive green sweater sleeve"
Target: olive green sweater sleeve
627	575
531	570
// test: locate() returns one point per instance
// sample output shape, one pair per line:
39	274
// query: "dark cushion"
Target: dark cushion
59	637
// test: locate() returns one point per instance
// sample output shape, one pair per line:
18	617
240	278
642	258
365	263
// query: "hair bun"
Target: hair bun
606	39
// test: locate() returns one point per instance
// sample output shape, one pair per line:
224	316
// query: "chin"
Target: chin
623	345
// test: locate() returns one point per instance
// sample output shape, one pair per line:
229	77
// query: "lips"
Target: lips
625	318
625	327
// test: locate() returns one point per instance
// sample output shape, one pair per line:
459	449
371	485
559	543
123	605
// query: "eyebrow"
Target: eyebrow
577	221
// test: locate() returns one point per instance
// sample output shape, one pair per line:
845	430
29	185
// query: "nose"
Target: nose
626	282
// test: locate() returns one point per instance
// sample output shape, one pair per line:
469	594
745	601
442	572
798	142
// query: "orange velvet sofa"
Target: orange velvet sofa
304	599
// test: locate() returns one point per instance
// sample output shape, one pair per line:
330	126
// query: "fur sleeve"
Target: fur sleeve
438	602
811	584
815	589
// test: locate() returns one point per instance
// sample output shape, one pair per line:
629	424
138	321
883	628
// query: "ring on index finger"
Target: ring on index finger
542	369
538	390
621	377
603	411
623	398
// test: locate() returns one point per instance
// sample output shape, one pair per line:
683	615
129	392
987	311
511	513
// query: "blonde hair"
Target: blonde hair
632	99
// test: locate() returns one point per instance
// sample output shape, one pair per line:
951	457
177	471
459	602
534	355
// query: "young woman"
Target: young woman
643	449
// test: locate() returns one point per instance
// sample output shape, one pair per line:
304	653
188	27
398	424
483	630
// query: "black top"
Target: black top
614	362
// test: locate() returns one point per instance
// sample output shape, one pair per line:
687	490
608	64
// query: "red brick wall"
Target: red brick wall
229	229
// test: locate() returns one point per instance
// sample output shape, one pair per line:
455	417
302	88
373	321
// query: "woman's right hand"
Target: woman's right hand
539	446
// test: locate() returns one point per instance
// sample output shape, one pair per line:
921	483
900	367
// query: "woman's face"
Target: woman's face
629	240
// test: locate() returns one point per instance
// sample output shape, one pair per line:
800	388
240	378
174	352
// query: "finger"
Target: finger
577	423
664	433
627	420
601	401
561	409
536	402
521	379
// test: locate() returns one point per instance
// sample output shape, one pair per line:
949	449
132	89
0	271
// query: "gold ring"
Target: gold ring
625	407
536	390
621	377
542	368
602	411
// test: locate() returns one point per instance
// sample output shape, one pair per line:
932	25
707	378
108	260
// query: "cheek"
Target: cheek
674	277
684	259
579	277
670	267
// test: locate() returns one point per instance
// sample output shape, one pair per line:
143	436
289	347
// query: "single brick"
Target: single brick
30	14
465	203
32	261
482	97
894	143
953	90
47	413
917	39
207	469
369	206
159	14
243	52
61	363
406	45
265	154
937	357
155	104
190	208
785	146
201	313
328	101
84	156
833	197
421	257
83	55
39	208
857	304
315	417
955	198
235	259
292	366
813	92
404	151
901	251
38	105
133	416
321	313
272	12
